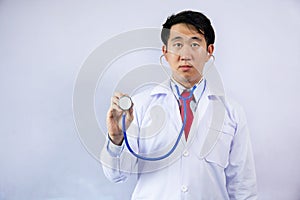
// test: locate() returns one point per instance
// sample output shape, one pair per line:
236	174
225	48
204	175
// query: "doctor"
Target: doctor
225	170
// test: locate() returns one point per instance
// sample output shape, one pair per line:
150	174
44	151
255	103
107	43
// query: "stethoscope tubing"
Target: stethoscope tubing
184	99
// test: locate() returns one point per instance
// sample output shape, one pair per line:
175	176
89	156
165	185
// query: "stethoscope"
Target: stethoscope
125	103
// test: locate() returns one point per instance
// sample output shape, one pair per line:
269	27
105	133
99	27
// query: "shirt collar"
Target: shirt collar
197	93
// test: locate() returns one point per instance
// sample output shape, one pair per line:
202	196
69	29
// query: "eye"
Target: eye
177	45
195	44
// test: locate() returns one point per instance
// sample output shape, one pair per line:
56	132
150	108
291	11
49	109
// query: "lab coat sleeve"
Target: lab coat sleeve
240	172
110	158
117	161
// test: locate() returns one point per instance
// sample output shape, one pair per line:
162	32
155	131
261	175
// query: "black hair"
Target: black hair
196	19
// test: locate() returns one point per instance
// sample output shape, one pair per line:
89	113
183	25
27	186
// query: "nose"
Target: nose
185	53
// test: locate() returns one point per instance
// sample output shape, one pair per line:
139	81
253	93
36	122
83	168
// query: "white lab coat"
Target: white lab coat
215	163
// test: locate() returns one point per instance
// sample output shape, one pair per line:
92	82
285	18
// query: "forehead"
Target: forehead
184	31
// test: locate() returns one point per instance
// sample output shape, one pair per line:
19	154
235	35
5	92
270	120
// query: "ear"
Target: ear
210	49
165	51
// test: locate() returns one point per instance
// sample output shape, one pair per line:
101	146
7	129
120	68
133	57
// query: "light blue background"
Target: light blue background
44	43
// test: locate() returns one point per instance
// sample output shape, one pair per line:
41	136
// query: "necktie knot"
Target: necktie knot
185	95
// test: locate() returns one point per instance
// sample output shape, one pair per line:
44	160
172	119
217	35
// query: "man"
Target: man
209	162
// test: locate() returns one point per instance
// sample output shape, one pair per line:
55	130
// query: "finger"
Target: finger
114	100
117	109
118	94
129	114
130	111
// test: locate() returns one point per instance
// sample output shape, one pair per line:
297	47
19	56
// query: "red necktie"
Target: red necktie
189	113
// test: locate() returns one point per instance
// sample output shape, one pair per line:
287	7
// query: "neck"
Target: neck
187	83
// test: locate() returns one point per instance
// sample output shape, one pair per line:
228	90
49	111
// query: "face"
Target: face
187	53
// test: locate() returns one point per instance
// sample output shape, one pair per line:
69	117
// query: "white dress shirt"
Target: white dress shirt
218	168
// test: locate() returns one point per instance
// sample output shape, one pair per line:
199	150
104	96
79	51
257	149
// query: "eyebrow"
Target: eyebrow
196	38
192	38
176	38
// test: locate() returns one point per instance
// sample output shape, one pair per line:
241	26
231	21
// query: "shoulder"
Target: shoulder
234	111
142	95
149	103
152	91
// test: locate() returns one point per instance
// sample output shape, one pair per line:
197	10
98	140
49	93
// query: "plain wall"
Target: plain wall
43	45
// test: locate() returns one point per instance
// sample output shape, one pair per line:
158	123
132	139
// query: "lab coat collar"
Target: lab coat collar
162	88
213	89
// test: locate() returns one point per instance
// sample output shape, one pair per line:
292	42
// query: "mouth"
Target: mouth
185	67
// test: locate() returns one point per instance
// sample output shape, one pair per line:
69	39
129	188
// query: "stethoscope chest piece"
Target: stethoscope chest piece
125	102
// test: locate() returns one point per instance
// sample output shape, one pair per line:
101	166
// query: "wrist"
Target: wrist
116	140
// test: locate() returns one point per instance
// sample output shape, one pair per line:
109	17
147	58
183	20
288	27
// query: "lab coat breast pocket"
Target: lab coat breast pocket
219	153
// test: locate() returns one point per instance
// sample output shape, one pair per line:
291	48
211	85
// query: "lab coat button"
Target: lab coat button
184	188
186	153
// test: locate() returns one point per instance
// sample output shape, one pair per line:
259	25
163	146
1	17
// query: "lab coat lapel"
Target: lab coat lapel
199	115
